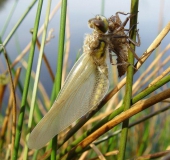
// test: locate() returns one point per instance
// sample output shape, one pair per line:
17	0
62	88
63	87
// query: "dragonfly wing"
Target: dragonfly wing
84	88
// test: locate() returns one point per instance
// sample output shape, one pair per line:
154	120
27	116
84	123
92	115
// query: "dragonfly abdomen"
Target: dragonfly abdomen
102	85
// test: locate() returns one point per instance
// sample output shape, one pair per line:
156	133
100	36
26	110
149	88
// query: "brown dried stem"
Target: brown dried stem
136	108
8	110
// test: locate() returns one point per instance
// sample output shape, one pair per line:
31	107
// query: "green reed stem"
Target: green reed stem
102	7
129	83
59	64
18	24
8	18
26	83
37	75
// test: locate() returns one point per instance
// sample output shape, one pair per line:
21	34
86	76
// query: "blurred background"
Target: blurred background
153	16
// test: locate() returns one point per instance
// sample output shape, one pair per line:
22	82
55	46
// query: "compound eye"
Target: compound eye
99	23
101	26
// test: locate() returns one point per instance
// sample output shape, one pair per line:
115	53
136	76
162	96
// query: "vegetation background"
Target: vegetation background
147	136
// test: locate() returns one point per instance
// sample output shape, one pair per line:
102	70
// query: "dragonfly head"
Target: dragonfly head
99	24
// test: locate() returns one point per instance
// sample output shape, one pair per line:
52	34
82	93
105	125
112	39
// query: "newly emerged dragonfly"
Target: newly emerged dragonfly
84	88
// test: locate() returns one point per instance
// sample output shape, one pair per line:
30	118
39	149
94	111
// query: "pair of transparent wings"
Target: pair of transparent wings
79	95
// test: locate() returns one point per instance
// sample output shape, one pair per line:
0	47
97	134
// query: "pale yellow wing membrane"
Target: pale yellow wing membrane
83	90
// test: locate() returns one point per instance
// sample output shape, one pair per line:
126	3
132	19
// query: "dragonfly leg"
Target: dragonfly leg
135	55
138	39
123	24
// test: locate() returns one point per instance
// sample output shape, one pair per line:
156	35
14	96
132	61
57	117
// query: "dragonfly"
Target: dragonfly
84	88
